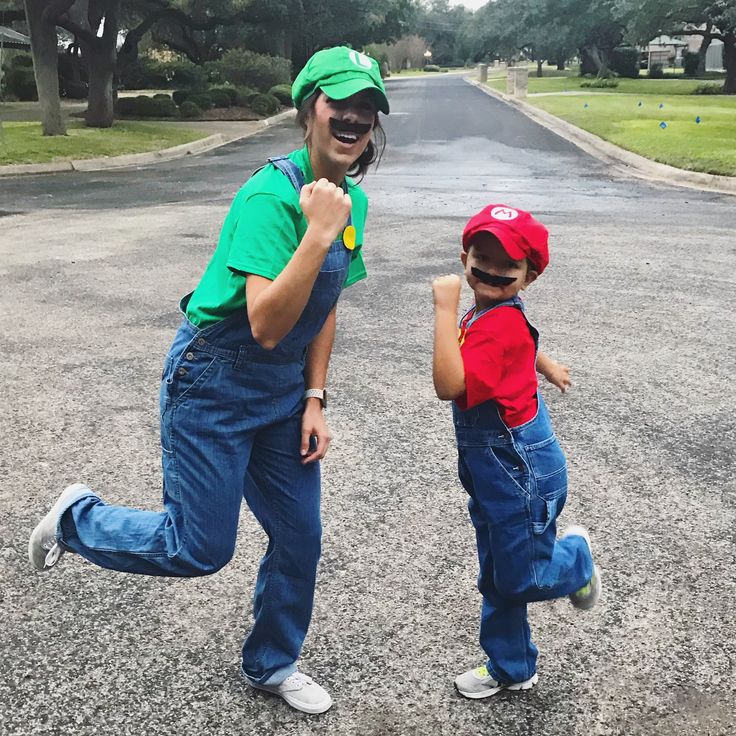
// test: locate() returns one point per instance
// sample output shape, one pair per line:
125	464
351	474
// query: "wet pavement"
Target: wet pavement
639	300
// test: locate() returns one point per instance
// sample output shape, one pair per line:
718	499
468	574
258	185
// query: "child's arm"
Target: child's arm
447	363
556	373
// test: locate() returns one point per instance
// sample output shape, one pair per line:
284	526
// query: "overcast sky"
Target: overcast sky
470	4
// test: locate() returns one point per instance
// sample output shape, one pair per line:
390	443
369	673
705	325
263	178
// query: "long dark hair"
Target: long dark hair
373	151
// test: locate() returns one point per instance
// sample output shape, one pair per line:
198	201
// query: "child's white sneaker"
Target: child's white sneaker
478	683
589	595
299	691
43	549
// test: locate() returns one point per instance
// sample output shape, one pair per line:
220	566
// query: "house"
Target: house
663	51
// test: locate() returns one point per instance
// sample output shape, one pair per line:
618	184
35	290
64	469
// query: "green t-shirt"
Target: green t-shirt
261	232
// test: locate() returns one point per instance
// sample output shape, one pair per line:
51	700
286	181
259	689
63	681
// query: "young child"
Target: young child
509	460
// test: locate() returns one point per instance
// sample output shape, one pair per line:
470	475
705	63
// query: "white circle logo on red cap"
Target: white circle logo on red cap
504	213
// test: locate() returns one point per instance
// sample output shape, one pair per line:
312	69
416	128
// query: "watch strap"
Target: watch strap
317	393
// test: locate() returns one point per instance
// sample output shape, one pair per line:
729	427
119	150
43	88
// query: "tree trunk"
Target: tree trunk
561	63
45	67
703	49
539	68
100	111
100	55
729	61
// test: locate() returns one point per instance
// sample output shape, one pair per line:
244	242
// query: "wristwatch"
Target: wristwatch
317	393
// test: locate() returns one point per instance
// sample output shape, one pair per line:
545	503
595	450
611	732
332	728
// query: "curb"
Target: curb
623	161
194	148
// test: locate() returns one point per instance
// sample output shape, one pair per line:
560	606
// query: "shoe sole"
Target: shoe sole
33	541
594	601
313	710
514	687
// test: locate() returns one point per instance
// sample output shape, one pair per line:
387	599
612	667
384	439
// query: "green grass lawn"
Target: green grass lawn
708	146
641	86
22	143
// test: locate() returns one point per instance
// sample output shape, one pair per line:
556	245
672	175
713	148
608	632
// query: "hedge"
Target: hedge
241	67
264	104
282	92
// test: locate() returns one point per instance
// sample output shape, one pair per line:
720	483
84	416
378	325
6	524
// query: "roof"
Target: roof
667	41
13	40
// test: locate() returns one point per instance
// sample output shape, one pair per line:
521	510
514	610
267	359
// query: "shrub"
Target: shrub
264	104
189	109
690	62
125	106
22	61
143	73
625	62
219	98
227	89
144	106
601	83
73	90
282	92
162	96
153	107
242	67
244	96
21	83
181	95
185	75
202	101
656	71
708	89
431	68
164	107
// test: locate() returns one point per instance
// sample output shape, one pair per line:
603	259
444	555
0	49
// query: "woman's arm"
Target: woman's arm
274	307
315	376
447	363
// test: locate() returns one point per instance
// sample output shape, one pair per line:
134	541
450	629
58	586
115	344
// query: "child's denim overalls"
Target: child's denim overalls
230	428
517	482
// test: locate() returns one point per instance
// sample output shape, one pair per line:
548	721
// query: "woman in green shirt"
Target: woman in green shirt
244	383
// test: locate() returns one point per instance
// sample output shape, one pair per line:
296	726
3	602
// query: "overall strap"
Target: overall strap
513	302
292	171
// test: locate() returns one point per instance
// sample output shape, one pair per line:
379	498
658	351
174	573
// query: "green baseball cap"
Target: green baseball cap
340	72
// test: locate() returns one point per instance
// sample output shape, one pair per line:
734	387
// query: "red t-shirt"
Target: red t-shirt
499	358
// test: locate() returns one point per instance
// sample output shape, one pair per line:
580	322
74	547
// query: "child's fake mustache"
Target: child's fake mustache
489	278
343	126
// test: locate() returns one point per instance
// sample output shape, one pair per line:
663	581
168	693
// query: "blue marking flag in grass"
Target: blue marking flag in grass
697	119
661	105
585	105
663	125
639	104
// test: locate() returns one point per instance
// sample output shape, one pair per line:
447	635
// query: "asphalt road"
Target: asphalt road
639	300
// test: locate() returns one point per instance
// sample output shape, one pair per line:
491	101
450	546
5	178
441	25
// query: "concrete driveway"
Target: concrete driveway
639	300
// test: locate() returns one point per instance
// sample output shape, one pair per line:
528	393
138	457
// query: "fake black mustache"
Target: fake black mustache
489	278
343	126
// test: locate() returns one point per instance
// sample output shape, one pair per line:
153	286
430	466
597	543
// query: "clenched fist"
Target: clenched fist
446	291
326	208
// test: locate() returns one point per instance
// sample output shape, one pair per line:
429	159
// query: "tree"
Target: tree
44	48
709	19
443	28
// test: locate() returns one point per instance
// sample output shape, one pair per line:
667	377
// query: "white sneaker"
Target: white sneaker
589	595
43	549
478	683
299	691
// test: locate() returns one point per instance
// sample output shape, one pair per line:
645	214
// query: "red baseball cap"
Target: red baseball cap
518	232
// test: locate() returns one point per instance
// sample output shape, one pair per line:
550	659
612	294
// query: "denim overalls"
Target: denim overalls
517	482
230	428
